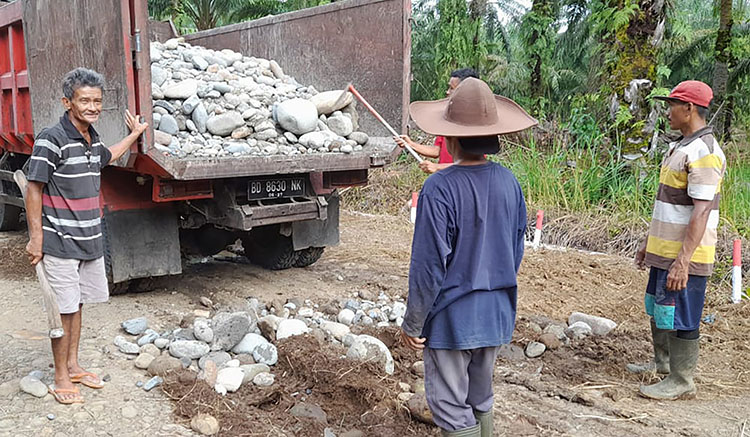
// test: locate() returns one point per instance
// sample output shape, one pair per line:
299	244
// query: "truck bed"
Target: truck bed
378	152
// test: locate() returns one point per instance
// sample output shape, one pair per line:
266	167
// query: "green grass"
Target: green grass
585	180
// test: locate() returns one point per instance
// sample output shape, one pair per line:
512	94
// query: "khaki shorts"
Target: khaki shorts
76	282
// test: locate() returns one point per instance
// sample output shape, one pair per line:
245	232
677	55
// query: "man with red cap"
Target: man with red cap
681	242
467	248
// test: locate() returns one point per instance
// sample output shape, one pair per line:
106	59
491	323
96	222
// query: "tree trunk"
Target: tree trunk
630	58
539	34
721	68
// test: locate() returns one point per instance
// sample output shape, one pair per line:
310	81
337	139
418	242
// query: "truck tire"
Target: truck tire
308	257
270	250
9	214
119	288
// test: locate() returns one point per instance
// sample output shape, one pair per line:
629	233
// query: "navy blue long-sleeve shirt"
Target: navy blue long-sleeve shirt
467	248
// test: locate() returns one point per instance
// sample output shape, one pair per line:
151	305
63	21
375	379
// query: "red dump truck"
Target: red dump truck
156	208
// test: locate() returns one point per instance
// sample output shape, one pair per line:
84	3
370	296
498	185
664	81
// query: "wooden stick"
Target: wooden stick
382	121
54	322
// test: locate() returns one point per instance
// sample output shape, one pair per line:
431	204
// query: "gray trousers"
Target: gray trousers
457	382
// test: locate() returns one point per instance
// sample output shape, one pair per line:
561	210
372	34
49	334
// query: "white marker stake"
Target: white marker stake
414	200
737	271
538	230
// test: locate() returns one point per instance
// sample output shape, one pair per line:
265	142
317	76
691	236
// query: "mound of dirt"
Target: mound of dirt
353	395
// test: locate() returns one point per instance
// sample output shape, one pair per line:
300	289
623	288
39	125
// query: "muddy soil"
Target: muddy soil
580	389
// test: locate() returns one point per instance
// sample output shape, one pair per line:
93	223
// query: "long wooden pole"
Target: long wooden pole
54	321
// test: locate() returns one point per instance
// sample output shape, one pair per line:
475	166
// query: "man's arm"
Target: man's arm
136	129
430	251
422	149
430	167
521	231
678	272
34	219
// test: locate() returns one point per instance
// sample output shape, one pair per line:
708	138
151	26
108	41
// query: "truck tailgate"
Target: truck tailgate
378	152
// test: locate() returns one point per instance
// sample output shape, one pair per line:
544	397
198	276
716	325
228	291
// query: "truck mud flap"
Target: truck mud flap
318	233
141	243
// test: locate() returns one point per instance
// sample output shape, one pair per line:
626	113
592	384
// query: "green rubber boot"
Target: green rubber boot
485	422
683	358
660	363
474	431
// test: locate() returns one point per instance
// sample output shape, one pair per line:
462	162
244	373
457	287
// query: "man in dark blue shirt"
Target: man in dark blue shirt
467	248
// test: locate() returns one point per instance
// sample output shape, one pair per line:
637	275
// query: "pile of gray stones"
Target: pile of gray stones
209	103
231	348
550	334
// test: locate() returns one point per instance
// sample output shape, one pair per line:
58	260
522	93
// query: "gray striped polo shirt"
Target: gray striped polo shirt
70	169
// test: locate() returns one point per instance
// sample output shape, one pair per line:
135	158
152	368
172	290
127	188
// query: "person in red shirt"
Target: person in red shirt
438	150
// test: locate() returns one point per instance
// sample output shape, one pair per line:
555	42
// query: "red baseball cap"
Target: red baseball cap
691	91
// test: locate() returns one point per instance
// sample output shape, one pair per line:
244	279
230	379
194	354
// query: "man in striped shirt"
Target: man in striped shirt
64	216
681	242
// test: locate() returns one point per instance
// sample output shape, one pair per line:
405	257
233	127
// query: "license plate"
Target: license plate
274	188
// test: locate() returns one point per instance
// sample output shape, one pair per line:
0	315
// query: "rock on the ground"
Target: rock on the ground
368	348
231	378
249	343
148	337
335	330
346	316
291	327
202	330
33	386
142	361
398	310
264	379
309	411
191	349
161	343
163	365
556	329
550	340
535	349
266	354
251	370
153	382
220	358
125	346
229	329
511	352
298	116
419	409
578	330
204	424
418	368
135	326
598	325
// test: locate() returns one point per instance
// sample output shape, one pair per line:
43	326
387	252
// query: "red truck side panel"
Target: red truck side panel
16	132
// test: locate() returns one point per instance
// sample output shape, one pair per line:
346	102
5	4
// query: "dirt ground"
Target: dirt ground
577	390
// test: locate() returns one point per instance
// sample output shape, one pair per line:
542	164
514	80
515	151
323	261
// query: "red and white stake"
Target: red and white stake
737	271
538	230
414	200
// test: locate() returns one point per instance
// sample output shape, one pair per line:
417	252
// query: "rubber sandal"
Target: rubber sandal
59	394
88	379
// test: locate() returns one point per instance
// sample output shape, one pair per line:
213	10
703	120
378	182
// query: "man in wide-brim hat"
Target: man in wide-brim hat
467	248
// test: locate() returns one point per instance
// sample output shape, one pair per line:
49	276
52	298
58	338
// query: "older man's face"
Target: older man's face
86	105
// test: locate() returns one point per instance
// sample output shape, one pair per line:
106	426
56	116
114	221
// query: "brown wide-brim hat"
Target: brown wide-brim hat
472	110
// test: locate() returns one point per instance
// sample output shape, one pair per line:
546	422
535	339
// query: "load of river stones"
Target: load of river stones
215	103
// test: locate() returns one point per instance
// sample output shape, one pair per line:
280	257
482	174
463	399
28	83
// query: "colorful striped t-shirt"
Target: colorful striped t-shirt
692	169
